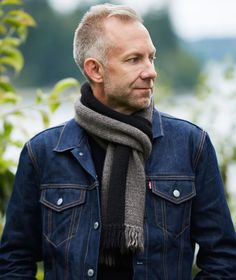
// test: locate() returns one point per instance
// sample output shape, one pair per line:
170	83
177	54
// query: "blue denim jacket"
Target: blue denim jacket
54	211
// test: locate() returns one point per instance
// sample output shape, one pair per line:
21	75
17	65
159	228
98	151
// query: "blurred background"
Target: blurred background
196	63
39	81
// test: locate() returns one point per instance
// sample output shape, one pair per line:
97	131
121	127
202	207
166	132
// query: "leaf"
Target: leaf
17	113
6	87
7	127
11	62
12	57
11	2
53	106
3	29
10	42
18	18
16	143
40	97
45	117
22	32
5	164
62	86
9	97
2	69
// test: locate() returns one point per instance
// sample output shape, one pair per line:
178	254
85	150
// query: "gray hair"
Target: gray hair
89	38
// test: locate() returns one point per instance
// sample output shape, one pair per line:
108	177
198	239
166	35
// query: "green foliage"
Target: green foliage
13	30
14	24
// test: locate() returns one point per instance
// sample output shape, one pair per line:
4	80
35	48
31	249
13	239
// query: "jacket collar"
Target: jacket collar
72	135
157	128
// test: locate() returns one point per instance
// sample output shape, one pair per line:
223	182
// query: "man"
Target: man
122	191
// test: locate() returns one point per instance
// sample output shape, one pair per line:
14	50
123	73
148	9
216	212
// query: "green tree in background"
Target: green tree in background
14	24
13	31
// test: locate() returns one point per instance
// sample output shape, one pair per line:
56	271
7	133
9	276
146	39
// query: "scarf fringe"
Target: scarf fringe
127	238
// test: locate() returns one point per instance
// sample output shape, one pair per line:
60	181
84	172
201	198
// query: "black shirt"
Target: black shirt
124	267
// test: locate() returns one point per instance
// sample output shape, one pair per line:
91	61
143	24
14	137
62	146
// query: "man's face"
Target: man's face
129	72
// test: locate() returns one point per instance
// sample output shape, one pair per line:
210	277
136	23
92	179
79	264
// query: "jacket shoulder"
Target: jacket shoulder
176	123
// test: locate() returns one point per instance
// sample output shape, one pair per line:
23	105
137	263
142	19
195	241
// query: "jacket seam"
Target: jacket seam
33	158
171	177
200	149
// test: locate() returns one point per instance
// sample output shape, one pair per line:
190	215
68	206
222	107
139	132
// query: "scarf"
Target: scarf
128	143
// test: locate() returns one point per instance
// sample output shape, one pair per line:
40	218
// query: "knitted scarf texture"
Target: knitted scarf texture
128	143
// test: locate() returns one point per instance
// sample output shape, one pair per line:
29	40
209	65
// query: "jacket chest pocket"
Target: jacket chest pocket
172	201
61	210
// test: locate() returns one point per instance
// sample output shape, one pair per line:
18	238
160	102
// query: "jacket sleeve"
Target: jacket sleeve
212	227
21	240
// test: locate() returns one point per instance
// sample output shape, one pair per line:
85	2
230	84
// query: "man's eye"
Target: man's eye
133	59
152	58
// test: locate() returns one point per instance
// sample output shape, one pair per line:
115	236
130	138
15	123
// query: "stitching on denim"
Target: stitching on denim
68	243
78	202
163	208
180	258
182	241
155	210
71	186
174	200
33	158
147	245
78	221
67	148
59	140
199	151
50	221
167	177
70	236
160	122
89	234
162	219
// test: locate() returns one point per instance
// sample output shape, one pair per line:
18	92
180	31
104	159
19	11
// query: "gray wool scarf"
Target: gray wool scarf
122	221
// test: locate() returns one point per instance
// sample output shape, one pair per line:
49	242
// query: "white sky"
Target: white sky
192	19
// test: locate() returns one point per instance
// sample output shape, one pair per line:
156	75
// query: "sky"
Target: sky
192	19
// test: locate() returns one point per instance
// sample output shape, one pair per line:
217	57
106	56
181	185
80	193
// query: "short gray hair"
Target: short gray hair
89	38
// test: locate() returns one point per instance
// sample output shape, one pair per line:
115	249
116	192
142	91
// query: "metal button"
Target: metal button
90	272
176	193
96	225
81	154
59	201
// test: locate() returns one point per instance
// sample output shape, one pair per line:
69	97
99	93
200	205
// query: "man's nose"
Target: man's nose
149	71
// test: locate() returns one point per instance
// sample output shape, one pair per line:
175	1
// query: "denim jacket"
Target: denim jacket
54	211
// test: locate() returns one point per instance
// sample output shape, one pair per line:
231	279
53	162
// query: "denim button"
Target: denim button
176	193
81	154
96	225
90	272
59	201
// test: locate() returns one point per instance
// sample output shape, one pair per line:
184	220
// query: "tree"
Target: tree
14	24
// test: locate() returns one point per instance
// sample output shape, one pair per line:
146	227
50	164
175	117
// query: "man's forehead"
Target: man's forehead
119	30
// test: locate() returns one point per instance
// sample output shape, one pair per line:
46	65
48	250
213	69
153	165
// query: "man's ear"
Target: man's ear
94	70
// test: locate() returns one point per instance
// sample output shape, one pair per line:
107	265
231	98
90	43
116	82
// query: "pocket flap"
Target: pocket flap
175	191
61	198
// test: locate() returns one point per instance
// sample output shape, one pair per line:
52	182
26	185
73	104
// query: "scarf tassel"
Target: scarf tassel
127	238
